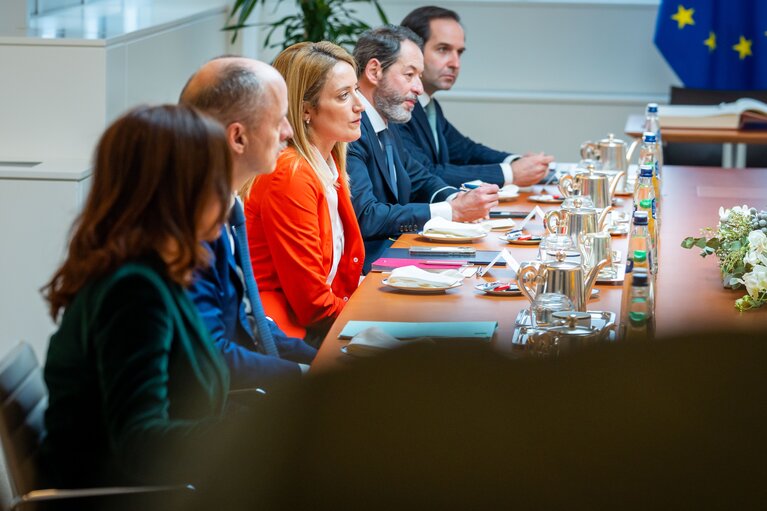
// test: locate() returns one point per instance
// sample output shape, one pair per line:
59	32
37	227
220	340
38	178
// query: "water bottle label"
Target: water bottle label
629	265
653	208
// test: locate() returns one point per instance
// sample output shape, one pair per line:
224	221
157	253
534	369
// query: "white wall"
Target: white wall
547	74
57	94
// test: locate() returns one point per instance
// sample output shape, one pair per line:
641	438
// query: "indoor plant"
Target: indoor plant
315	20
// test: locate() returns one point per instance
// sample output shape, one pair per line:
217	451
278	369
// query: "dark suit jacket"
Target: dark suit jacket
217	292
380	213
459	158
132	377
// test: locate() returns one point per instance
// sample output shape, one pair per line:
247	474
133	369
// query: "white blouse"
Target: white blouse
331	195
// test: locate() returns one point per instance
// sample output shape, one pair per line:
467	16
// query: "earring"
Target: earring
306	121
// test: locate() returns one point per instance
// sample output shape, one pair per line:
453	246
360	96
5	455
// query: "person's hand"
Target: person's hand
530	168
474	204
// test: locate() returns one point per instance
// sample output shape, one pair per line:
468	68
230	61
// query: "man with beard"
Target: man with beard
430	137
393	193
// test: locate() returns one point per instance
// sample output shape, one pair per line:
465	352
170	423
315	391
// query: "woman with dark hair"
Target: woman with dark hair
132	373
305	243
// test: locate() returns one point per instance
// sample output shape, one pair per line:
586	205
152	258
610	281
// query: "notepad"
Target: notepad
457	330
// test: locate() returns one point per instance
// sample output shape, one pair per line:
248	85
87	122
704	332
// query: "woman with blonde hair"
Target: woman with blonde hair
305	243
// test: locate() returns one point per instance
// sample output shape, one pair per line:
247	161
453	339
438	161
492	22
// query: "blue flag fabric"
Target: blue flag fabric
715	44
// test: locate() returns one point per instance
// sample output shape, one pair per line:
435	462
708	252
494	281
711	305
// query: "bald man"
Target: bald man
249	98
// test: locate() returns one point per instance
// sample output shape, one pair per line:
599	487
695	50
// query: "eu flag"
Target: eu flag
715	44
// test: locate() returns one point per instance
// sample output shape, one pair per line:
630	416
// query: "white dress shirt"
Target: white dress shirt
437	209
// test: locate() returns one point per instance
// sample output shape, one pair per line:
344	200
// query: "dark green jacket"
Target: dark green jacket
133	379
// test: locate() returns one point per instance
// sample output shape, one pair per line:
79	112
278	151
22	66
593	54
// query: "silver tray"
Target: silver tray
523	326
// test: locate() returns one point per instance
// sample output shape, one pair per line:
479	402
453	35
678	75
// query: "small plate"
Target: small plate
489	289
445	238
512	239
420	290
498	224
547	199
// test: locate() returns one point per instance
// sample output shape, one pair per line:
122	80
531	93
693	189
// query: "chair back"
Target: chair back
23	400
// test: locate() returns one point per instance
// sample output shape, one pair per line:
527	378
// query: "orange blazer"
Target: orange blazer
291	245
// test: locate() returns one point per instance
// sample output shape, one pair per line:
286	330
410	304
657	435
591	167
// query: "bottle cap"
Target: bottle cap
640	256
652	107
637	319
649	137
646	170
640	217
639	277
645	203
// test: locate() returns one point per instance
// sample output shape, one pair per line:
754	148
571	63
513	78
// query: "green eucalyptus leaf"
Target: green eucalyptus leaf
688	242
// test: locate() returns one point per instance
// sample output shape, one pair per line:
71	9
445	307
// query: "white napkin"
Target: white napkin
373	340
456	229
413	276
508	191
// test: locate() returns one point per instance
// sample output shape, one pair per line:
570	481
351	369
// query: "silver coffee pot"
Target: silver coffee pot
595	185
560	276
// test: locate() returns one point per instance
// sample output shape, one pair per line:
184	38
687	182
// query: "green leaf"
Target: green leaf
688	242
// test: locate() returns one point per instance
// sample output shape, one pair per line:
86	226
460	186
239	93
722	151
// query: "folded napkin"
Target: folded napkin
456	229
374	340
412	276
508	191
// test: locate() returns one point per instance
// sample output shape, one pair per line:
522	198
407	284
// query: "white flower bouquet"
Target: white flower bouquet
740	244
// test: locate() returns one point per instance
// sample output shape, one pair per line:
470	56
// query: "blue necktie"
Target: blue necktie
262	330
431	116
388	144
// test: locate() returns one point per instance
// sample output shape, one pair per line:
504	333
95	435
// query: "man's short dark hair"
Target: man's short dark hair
383	43
237	95
419	19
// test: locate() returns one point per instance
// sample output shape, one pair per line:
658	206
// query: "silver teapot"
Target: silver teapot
576	220
560	276
610	152
595	185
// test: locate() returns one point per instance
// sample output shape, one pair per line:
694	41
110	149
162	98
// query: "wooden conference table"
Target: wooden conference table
689	294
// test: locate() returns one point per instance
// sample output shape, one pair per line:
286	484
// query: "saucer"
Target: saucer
420	290
514	239
489	289
547	199
447	238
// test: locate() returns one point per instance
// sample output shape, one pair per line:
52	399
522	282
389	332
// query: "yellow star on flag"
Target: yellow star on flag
683	16
711	41
743	47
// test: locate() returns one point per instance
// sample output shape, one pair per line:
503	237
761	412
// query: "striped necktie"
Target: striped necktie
388	144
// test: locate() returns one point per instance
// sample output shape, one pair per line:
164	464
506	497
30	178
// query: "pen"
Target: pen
443	263
470	186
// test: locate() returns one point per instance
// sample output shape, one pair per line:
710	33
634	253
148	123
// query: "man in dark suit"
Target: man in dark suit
249	98
393	193
431	138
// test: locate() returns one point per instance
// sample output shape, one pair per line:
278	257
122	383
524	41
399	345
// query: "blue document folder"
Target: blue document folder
459	330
